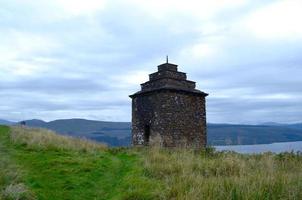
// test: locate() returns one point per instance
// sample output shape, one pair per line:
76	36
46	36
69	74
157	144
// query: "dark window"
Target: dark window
147	134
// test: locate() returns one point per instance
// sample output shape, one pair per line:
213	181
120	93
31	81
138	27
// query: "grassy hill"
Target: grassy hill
112	133
83	126
5	122
38	164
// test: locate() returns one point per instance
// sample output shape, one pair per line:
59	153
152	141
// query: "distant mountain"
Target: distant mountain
36	123
272	124
112	133
252	134
297	126
5	122
119	133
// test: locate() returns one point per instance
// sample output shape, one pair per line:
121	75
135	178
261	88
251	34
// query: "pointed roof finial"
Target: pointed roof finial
167	59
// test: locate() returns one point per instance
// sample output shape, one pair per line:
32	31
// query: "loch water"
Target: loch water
261	148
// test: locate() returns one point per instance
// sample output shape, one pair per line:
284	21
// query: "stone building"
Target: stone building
169	110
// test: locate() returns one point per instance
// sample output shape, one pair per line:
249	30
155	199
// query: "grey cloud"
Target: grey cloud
232	110
120	40
55	85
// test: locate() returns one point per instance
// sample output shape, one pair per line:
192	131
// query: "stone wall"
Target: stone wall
167	74
176	117
168	82
170	109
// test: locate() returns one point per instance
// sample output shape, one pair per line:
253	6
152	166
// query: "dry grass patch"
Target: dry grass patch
46	139
16	192
11	174
144	173
190	175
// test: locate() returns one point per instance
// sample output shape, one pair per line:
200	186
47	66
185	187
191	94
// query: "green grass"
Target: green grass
38	164
11	182
214	175
63	173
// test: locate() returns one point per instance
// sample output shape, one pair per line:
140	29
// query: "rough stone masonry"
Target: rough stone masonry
169	110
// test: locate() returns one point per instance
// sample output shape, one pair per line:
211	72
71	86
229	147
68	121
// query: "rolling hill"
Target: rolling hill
112	133
5	122
40	164
226	134
119	133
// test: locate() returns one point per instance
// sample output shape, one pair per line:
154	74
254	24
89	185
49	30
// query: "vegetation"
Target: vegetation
59	167
11	185
38	164
227	175
119	133
44	139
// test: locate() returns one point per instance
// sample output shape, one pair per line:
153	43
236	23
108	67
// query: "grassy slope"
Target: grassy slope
56	167
11	185
55	173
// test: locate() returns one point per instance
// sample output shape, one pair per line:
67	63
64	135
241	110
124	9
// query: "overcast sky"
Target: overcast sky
81	59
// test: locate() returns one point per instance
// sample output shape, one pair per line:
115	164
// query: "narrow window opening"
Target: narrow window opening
147	134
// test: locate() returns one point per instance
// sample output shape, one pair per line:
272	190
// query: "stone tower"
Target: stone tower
169	110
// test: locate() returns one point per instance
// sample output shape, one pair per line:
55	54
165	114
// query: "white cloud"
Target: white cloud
88	56
203	9
81	7
199	51
17	43
280	20
130	79
20	53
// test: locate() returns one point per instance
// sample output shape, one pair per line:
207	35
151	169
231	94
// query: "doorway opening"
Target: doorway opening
147	134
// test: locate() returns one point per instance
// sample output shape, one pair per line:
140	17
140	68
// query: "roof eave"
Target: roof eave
142	93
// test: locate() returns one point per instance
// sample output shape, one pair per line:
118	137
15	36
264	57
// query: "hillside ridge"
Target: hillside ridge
38	164
119	133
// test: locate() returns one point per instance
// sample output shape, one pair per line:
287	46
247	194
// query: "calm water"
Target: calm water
260	148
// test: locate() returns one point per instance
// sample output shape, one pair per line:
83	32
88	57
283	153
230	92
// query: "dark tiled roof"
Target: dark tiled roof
168	78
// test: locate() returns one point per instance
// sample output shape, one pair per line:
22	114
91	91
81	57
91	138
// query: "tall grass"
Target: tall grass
213	175
11	183
147	173
58	167
11	180
46	139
